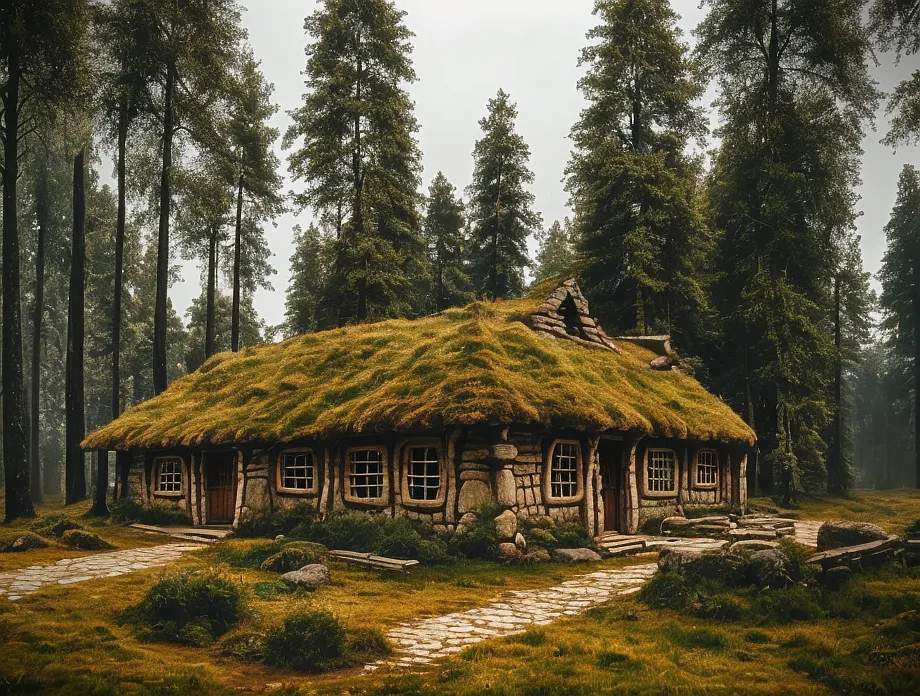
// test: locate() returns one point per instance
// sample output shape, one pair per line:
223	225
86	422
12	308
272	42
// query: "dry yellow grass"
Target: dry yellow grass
464	366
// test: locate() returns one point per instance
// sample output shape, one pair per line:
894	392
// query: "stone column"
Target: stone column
632	487
742	483
593	518
683	493
475	481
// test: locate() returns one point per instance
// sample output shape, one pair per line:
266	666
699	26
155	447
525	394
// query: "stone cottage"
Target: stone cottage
527	404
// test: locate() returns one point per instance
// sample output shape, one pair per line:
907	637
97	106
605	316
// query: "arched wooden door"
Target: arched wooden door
610	458
220	486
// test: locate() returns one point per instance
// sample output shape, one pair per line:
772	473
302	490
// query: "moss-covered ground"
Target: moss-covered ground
68	640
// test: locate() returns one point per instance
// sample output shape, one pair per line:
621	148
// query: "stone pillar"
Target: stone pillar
240	487
632	487
504	454
742	483
475	481
683	492
450	478
193	488
592	489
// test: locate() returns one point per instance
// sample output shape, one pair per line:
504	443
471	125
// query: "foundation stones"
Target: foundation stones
506	525
505	488
473	494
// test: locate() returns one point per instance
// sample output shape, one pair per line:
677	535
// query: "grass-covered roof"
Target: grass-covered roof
461	367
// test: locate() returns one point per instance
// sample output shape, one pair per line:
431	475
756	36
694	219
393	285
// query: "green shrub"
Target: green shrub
157	514
271	523
668	591
308	641
190	608
362	645
294	556
913	530
787	605
246	647
720	607
478	539
54	526
271	590
87	541
551	534
404	538
14	542
245	553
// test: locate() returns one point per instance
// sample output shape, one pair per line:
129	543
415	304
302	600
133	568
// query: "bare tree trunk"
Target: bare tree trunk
159	317
41	214
75	427
837	479
211	293
15	446
916	382
237	254
493	264
119	272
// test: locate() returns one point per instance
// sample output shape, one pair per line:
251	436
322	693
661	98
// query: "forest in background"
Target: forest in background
749	258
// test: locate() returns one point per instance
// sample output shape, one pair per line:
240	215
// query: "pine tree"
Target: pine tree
258	181
359	158
252	329
794	91
896	24
500	204
444	232
641	231
900	299
556	256
41	67
309	268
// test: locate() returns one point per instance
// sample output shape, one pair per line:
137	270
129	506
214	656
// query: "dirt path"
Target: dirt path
18	583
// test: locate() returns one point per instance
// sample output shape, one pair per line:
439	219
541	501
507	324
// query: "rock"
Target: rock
504	452
835	577
309	577
671	522
769	568
294	556
836	535
538	556
508	550
468	520
863	554
473	495
751	534
280	537
505	487
520	541
577	555
24	541
661	363
506	525
78	539
752	545
676	559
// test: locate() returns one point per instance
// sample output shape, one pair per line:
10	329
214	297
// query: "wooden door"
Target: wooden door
611	464
220	478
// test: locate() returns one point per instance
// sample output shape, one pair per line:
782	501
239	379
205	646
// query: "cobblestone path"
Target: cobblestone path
18	583
806	532
422	642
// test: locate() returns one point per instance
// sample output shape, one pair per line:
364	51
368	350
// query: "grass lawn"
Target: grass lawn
894	510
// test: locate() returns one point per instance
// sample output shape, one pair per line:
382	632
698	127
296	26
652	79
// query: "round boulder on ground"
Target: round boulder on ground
577	555
837	535
87	541
769	568
508	550
309	577
674	560
506	525
294	556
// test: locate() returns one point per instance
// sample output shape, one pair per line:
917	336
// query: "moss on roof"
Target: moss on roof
461	367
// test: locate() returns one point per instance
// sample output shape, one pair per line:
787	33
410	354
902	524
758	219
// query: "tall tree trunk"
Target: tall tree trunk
159	316
41	215
916	309
211	293
100	508
837	479
75	427
15	446
119	272
358	216
753	467
493	264
237	253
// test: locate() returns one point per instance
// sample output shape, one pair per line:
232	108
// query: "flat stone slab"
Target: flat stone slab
17	584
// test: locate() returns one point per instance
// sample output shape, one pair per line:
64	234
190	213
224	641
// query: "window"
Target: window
169	475
563	474
366	475
424	473
297	471
707	468
660	471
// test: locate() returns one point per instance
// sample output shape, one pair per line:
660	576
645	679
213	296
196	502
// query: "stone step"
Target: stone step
625	550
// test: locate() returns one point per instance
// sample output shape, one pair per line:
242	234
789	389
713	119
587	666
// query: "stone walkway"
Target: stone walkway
422	642
19	583
806	532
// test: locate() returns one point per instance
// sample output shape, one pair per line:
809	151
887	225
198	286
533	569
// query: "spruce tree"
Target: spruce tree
795	89
500	204
900	299
444	232
896	24
556	256
358	157
309	268
641	231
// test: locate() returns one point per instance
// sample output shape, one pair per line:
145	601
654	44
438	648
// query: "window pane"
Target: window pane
298	471
563	475
707	468
424	473
169	475
366	474
660	471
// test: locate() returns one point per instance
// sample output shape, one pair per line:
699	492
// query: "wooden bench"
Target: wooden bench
373	561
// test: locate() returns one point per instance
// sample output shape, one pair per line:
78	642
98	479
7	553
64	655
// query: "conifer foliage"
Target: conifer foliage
500	204
556	255
641	232
358	158
444	233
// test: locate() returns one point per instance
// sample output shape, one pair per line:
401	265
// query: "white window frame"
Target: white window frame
280	477
548	473
441	496
157	463
713	465
384	498
647	487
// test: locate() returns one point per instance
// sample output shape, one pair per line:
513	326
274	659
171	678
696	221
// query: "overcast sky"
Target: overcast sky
464	51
